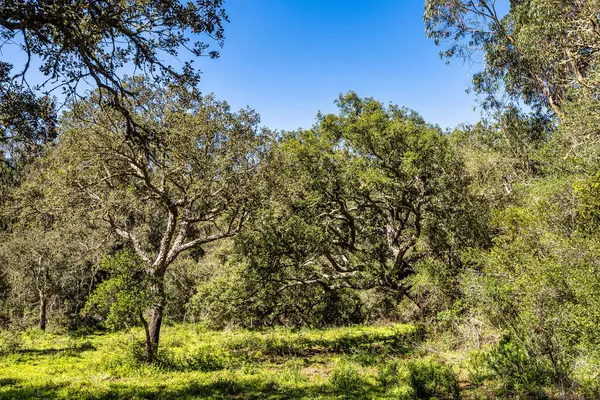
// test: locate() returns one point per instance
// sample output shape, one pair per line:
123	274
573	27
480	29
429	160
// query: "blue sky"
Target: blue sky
288	59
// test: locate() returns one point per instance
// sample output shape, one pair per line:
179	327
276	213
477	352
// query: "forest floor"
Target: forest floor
374	362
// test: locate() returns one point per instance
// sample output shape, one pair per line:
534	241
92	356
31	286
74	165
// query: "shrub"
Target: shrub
345	377
478	368
516	369
389	374
418	379
432	379
10	341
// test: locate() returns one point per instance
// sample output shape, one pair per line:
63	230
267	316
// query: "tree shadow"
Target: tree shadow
302	346
13	389
63	351
8	381
219	389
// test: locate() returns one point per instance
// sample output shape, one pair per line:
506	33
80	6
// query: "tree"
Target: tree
362	201
194	185
539	52
124	297
90	42
47	253
27	125
83	44
50	262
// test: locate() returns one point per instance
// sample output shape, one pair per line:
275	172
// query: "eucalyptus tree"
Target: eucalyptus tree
539	51
192	185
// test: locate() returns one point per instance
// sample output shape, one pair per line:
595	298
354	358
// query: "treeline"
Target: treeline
146	201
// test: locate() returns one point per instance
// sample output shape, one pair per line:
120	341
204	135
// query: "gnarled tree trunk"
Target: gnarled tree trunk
153	326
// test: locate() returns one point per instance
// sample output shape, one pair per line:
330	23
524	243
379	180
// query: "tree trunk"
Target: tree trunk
43	316
157	289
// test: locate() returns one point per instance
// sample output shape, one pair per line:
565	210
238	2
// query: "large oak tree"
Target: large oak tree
362	201
192	186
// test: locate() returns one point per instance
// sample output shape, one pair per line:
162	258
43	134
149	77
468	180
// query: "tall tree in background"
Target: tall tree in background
27	125
192	186
538	52
47	264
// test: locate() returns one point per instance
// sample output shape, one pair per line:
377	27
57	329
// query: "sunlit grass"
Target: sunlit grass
195	363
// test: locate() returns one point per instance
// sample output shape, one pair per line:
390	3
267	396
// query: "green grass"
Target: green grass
377	362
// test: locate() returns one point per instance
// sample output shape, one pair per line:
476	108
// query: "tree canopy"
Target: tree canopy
145	201
539	52
193	186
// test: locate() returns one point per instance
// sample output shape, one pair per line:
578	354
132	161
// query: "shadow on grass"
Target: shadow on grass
63	351
13	389
364	348
301	346
8	381
219	389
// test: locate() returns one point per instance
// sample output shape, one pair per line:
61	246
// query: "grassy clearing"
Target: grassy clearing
359	362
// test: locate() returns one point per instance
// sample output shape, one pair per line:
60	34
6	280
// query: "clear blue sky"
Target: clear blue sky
288	59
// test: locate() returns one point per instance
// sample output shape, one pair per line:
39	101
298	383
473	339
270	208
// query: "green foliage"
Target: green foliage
389	374
193	184
10	341
122	297
345	377
536	284
237	295
361	202
372	214
27	125
516	369
94	40
425	378
525	51
431	379
47	262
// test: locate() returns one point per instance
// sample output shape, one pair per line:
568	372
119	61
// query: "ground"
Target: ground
376	362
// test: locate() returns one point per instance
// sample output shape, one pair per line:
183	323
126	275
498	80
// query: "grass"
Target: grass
376	362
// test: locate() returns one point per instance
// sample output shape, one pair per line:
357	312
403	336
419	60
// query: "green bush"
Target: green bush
346	377
389	374
516	370
431	379
590	388
418	379
478	368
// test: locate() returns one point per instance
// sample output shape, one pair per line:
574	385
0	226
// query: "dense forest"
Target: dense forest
137	202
